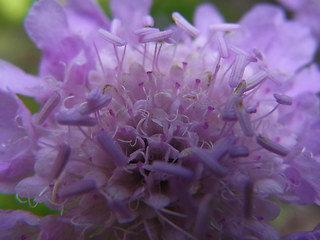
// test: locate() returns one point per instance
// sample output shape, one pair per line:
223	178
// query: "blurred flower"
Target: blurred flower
306	11
183	133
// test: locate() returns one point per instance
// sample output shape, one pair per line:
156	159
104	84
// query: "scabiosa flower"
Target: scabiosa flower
306	11
182	133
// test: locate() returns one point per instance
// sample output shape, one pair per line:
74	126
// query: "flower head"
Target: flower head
183	133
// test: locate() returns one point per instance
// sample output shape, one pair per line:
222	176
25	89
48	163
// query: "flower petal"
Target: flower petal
131	13
17	224
205	15
85	17
14	79
15	130
46	23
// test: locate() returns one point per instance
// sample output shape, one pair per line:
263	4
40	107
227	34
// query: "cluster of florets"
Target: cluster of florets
184	133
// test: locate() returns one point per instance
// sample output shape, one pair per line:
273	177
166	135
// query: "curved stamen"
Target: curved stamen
272	146
156	36
184	24
283	99
79	187
173	169
74	118
243	119
48	107
225	27
111	38
113	150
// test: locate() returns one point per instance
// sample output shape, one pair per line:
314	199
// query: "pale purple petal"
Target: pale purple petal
15	139
31	187
46	23
205	15
266	27
131	13
308	80
85	17
14	79
18	224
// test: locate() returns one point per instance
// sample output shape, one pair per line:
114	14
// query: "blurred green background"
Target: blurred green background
16	47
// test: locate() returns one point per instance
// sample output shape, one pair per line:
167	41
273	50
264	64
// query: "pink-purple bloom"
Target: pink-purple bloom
147	133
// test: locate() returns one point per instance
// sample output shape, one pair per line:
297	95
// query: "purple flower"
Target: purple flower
305	11
183	133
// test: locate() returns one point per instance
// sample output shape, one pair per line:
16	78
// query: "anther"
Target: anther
79	187
47	108
223	48
283	99
248	199
74	118
272	146
145	31
240	88
113	150
243	119
228	115
95	101
237	70
256	79
61	160
238	151
115	26
224	27
111	38
173	169
206	158
156	36
182	23
148	21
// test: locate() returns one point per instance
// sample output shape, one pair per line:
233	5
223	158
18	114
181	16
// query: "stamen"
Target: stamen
95	101
272	146
123	213
111	38
238	151
223	48
115	26
237	70
239	51
113	150
283	99
156	36
248	199
251	109
173	169
61	160
206	158
47	108
222	146
74	118
184	24
79	187
225	27
228	115
145	31
157	201
255	80
202	218
243	119
148	21
240	89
